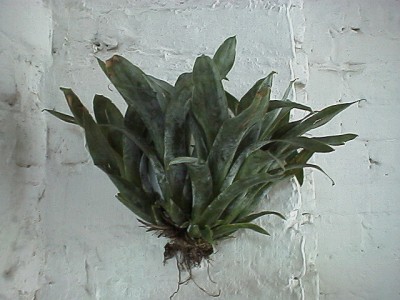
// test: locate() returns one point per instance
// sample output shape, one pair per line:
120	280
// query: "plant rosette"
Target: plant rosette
192	161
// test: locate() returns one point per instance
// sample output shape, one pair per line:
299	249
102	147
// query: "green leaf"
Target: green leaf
209	104
233	103
75	105
132	153
336	140
234	169
307	143
202	185
232	132
139	141
103	155
302	166
167	89
235	208
132	84
215	209
157	214
318	119
194	231
275	104
261	89
183	160
207	234
278	160
133	194
175	138
253	164
132	207
300	158
174	212
163	90
107	113
225	230
131	159
146	176
61	116
276	118
200	148
257	194
254	216
282	127
150	153
224	57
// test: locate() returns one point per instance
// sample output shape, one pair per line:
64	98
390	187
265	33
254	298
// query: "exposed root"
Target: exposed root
188	252
205	291
180	282
208	272
190	278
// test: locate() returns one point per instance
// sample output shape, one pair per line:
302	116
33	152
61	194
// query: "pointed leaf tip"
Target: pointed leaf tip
225	55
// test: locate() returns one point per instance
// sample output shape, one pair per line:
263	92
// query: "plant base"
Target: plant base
188	253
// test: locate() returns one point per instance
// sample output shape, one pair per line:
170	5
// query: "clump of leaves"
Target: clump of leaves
190	160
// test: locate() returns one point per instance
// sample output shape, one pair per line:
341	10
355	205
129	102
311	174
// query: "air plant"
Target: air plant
190	160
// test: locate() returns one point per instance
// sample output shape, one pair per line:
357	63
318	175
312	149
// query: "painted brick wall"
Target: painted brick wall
64	235
353	48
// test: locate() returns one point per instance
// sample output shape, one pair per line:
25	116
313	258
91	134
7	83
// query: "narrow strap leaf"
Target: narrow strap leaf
234	169
254	216
224	57
200	146
233	103
103	155
257	193
209	104
131	158
302	166
215	209
336	140
194	231
232	132
145	176
275	104
201	180
107	113
276	118
132	153
225	230
254	164
175	138
318	119
174	212
75	105
301	157
307	143
207	234
134	208
163	90
133	86
61	116
262	88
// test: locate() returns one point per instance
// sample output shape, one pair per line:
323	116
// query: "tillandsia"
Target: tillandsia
192	161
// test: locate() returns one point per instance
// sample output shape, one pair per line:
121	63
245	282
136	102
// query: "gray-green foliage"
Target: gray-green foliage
191	157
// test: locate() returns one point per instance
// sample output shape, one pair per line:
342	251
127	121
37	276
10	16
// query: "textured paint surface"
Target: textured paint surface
64	235
355	49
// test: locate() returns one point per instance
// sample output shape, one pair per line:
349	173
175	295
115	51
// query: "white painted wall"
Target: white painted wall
353	50
63	235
